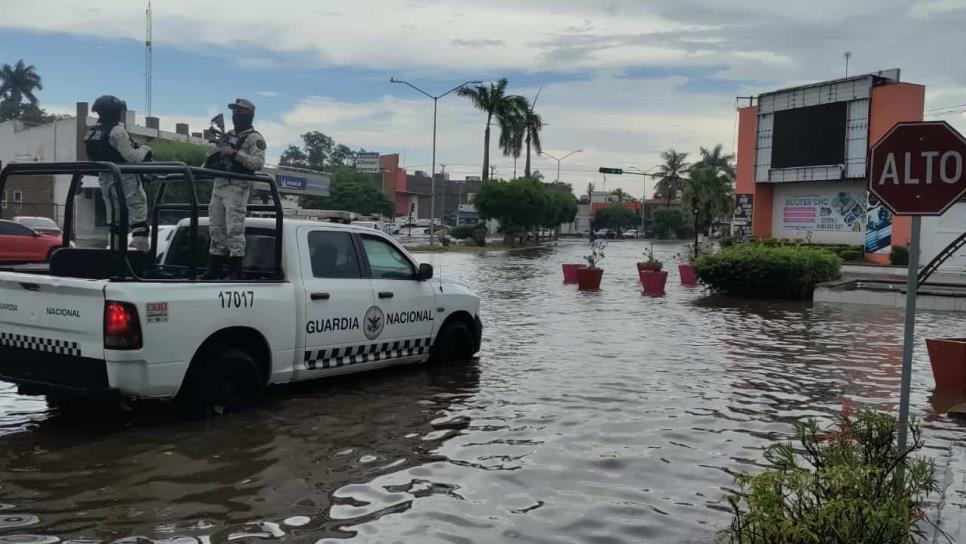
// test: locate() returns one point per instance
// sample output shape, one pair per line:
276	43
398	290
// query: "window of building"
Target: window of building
3	201
18	199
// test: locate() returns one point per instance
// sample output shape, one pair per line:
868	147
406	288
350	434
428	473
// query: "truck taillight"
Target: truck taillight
122	329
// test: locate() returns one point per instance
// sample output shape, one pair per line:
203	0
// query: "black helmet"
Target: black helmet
108	105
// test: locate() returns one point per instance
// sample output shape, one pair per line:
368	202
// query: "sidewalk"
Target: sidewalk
897	273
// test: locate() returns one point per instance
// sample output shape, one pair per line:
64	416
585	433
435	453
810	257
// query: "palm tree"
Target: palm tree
715	159
715	193
493	101
19	81
671	182
513	129
620	194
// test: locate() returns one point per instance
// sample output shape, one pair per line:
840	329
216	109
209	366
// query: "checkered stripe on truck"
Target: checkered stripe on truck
352	355
39	343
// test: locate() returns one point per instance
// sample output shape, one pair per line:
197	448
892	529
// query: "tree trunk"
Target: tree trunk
486	148
526	167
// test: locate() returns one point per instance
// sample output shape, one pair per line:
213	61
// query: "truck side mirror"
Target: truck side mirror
425	272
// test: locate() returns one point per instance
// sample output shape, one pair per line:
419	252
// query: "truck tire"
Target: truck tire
222	380
454	344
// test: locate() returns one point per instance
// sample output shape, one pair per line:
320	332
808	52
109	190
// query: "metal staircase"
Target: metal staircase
939	259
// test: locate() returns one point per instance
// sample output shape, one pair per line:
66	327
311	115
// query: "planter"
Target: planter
653	282
948	359
570	272
687	275
588	279
645	266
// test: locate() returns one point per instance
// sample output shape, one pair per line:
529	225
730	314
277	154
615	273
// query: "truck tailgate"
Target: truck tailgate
51	330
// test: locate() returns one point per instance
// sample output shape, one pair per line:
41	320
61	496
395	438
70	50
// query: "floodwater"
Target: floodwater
589	417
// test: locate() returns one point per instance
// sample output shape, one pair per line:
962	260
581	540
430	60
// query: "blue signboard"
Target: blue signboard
301	183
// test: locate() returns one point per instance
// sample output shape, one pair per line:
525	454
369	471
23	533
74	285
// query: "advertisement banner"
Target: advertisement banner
878	228
742	218
292	182
843	211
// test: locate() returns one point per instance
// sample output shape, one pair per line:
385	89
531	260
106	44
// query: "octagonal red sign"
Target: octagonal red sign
917	168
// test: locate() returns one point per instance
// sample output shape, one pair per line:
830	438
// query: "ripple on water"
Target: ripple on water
589	417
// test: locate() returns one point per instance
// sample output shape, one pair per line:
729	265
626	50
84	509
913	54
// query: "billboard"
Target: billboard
742	217
302	183
810	136
842	211
367	162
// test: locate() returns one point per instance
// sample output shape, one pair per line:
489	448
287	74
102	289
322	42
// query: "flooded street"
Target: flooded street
589	417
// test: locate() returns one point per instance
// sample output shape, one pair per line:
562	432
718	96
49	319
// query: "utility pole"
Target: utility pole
847	55
147	61
492	171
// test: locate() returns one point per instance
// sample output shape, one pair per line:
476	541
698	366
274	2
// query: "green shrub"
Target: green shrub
852	484
463	232
899	255
726	241
761	271
852	254
173	150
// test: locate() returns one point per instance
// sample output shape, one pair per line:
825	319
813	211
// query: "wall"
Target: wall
890	105
833	212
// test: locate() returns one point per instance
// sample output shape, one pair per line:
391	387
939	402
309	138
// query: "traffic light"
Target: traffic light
604	170
694	205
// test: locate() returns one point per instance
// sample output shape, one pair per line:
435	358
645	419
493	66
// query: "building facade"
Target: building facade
802	159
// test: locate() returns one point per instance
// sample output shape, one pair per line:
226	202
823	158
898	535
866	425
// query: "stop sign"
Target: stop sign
917	168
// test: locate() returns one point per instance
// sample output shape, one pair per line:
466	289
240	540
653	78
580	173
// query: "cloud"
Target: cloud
270	94
476	43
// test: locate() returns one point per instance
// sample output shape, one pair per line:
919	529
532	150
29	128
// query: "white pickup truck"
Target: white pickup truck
347	299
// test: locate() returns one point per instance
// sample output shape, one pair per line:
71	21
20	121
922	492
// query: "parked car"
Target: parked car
19	243
631	233
43	225
609	234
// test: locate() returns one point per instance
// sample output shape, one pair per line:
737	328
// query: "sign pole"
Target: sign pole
912	287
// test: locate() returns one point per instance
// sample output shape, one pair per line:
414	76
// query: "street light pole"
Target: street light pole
560	159
432	175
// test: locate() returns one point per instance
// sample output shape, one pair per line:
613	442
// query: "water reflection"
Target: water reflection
603	416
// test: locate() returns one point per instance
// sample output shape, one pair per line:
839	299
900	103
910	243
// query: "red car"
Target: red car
23	244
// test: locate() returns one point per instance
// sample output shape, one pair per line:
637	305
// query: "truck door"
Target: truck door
336	297
407	304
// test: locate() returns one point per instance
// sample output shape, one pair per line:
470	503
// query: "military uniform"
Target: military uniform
229	198
112	143
241	150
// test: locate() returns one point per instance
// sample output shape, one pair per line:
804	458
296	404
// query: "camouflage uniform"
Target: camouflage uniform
137	202
229	198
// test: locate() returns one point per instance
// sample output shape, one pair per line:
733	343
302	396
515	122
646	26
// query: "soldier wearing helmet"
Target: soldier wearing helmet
109	141
243	151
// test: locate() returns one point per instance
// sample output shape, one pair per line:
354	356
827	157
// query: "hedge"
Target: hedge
899	255
760	271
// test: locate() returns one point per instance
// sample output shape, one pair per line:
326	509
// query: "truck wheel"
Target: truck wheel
223	380
454	344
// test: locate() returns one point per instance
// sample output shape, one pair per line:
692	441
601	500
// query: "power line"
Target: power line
946	107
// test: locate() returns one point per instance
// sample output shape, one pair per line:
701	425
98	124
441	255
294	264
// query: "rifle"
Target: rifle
218	136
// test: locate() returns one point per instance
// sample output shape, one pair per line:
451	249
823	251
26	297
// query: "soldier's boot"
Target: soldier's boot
235	268
216	267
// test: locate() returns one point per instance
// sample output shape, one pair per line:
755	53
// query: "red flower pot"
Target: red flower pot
948	359
687	275
570	272
588	279
653	282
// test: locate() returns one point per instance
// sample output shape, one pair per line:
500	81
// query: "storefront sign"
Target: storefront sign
742	217
829	212
878	228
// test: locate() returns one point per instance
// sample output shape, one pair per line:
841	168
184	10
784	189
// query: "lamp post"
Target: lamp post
644	174
561	159
432	177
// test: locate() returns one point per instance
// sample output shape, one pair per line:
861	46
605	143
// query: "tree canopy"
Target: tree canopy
354	192
317	152
615	216
523	204
18	82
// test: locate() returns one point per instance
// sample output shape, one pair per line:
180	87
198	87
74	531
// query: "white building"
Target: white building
62	141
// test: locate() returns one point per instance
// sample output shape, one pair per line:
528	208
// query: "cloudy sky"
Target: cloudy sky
621	79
